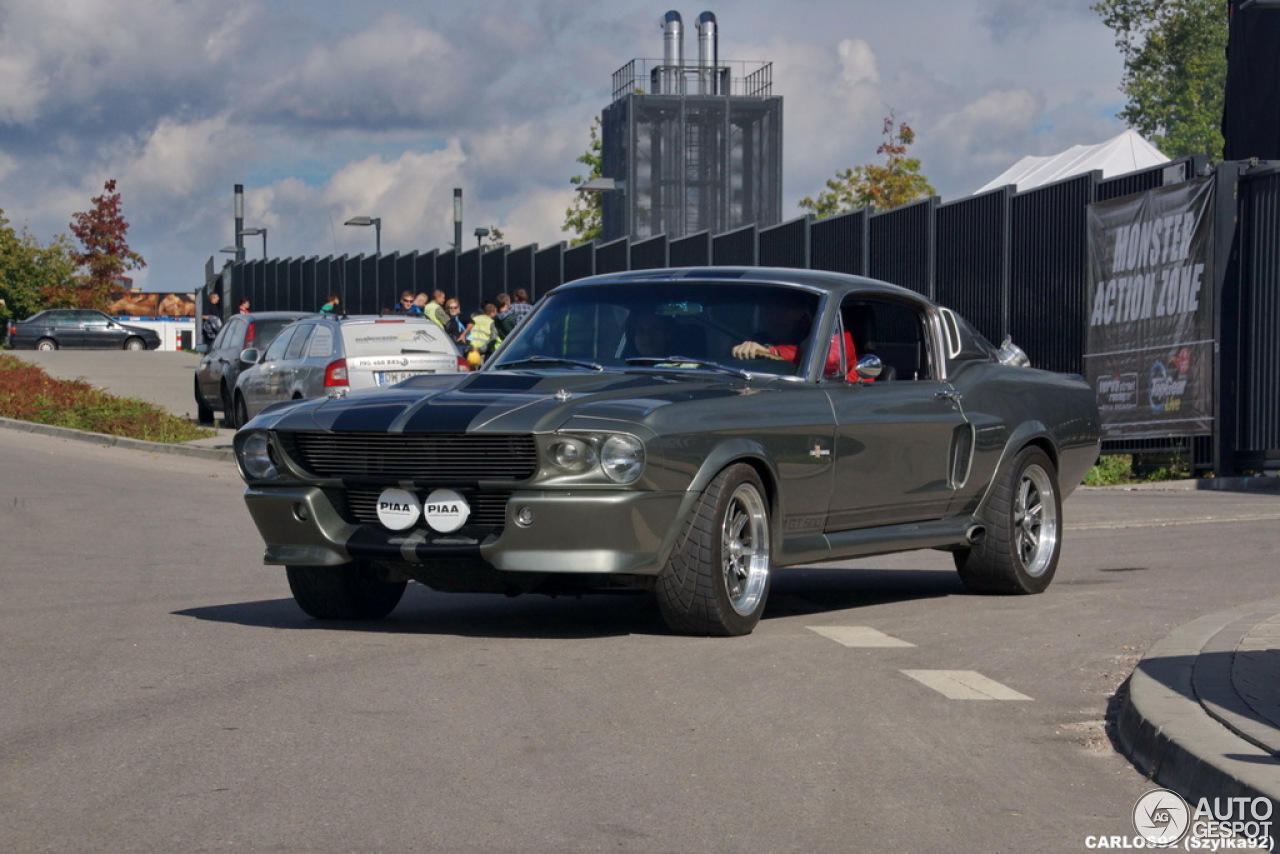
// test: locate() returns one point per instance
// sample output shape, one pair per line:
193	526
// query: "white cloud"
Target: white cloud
858	62
395	72
176	159
324	108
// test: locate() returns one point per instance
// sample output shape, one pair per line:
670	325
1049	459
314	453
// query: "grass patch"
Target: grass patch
27	393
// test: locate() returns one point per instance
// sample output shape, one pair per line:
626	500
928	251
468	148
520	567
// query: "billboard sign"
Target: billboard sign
1149	347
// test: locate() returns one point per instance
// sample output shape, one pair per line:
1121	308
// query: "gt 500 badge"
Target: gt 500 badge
445	510
398	509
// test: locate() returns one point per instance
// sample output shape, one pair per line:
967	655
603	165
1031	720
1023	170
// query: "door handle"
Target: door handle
950	395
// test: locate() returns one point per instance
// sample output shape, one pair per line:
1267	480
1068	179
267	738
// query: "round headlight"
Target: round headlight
255	454
622	458
572	455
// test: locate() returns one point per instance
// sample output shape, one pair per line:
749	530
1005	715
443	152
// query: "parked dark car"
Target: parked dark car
336	354
685	432
218	368
79	328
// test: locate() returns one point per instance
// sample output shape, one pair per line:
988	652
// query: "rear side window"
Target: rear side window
231	335
321	343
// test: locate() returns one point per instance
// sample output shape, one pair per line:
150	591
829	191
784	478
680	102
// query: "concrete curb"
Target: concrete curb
1166	725
219	453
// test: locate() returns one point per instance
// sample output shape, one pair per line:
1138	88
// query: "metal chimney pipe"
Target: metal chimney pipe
708	53
672	51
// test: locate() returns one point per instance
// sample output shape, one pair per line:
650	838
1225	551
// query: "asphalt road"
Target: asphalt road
162	692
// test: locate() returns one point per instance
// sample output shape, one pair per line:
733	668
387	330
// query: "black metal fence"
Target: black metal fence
1013	263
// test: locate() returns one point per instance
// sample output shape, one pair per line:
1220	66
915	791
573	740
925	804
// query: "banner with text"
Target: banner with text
1149	349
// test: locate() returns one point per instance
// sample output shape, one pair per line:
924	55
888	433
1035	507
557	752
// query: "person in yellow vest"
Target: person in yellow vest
482	334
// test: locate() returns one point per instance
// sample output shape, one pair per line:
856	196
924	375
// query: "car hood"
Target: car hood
506	402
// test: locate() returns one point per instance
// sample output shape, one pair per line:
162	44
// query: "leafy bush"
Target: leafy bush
1110	470
1119	469
27	393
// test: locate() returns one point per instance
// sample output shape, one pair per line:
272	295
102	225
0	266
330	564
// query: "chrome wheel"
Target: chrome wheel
1035	521
744	538
716	581
1022	530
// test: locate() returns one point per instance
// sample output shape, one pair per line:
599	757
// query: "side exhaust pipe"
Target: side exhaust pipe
975	534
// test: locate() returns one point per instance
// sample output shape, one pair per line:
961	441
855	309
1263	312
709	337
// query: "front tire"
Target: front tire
1019	553
134	344
717	580
351	591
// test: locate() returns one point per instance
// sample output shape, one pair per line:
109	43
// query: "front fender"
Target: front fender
737	449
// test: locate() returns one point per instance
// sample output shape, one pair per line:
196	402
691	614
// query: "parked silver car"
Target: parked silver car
220	365
323	354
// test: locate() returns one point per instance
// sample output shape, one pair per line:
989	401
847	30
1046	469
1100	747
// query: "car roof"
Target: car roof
273	315
346	319
821	280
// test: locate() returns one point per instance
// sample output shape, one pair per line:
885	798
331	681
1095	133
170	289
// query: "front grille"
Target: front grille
443	458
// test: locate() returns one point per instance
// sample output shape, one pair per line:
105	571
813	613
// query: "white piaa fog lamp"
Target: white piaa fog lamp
256	455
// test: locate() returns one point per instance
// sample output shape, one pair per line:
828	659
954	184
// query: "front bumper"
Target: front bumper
575	532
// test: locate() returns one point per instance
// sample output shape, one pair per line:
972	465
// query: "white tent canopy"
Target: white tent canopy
1127	152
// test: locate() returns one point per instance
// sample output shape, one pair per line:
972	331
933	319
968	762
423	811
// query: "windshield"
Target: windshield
680	325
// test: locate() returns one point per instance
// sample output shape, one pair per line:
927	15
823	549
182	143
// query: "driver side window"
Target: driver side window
893	331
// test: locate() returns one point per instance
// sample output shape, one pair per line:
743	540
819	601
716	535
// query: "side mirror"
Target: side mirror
1011	354
869	366
250	356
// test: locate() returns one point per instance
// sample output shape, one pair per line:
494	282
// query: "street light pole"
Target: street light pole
376	222
239	211
457	220
254	232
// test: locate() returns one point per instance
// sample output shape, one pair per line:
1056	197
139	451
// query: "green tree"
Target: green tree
106	255
1175	70
33	276
878	187
583	217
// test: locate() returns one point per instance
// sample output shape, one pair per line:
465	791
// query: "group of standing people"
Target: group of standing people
482	332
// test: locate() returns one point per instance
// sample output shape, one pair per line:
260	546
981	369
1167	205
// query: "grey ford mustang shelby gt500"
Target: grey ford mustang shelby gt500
684	431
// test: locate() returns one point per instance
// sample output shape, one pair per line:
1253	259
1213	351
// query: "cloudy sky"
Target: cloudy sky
327	109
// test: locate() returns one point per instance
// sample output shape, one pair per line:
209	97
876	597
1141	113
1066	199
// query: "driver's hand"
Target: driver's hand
752	350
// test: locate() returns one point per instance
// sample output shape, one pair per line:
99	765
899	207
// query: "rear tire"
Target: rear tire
239	416
717	580
351	591
46	344
1019	553
204	414
228	414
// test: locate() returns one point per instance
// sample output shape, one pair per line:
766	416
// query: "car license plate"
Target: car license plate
393	377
